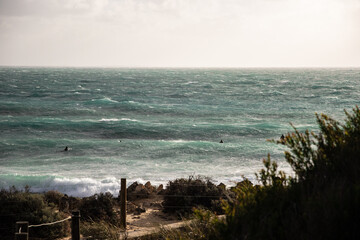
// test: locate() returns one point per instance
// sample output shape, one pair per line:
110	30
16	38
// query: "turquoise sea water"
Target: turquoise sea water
155	124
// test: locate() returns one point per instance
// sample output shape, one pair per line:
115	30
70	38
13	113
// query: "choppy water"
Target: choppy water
155	124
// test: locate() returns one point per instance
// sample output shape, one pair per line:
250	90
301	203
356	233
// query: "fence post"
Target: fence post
123	204
21	230
75	225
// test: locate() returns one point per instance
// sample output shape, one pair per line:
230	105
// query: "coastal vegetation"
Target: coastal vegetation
23	205
320	201
182	195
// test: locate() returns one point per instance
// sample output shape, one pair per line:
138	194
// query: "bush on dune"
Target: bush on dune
53	197
44	208
322	200
25	206
181	195
99	230
99	207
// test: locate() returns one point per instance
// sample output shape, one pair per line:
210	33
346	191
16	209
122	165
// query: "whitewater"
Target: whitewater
155	124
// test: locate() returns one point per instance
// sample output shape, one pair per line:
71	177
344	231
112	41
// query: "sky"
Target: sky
180	33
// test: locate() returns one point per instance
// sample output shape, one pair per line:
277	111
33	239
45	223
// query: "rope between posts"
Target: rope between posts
52	223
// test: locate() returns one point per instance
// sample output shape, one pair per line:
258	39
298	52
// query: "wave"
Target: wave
101	101
331	97
178	141
84	187
107	99
109	120
78	187
117	120
131	128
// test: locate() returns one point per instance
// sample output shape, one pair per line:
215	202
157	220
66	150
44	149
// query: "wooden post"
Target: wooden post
123	204
21	230
75	225
21	236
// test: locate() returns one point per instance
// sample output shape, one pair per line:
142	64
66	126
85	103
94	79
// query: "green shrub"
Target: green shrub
322	200
99	207
99	230
181	195
53	197
24	206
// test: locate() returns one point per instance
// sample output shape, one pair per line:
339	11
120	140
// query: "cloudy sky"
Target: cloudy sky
180	33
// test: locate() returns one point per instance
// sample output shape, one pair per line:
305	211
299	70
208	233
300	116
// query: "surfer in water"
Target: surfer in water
66	149
221	141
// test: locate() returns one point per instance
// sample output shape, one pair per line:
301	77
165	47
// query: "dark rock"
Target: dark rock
137	191
149	187
160	190
132	187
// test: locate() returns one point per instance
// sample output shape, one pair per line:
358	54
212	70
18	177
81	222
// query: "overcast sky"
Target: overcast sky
180	33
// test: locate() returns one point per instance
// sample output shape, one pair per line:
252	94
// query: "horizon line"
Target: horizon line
182	67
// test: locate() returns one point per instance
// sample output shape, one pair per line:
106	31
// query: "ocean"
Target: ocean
155	124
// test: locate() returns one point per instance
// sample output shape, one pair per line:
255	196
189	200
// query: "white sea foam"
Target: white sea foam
129	119
117	119
82	187
109	99
178	141
190	82
79	187
109	120
85	186
106	99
